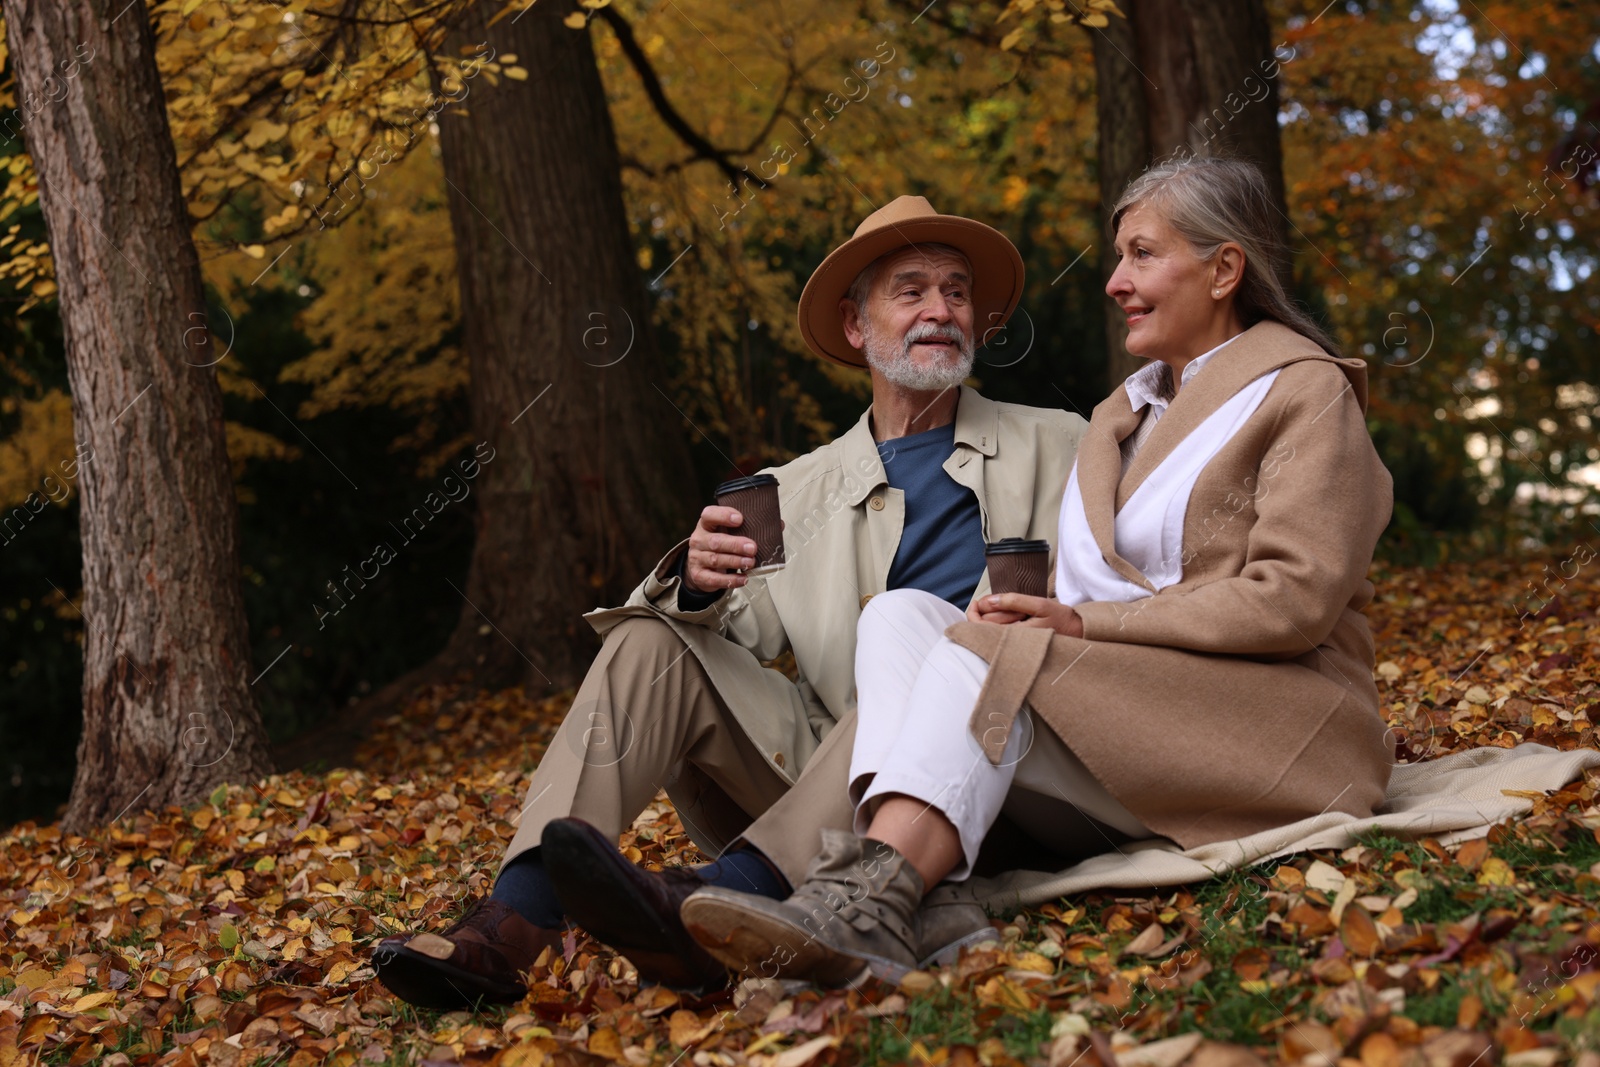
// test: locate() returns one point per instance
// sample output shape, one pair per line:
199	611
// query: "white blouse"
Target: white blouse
1149	528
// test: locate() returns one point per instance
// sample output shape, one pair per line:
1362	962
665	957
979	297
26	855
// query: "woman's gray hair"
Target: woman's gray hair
1211	201
861	288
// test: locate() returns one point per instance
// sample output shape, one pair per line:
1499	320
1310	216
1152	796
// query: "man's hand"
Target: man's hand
1039	611
715	558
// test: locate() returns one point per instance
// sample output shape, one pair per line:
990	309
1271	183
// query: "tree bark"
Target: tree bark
592	482
1182	77
167	710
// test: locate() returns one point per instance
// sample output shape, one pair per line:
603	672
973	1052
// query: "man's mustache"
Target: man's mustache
928	332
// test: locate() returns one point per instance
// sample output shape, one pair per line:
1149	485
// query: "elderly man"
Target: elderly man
678	699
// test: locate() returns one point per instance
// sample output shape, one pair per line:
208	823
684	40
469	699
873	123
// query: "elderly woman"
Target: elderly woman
1203	670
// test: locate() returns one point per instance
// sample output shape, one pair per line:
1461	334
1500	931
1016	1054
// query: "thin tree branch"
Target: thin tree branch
702	148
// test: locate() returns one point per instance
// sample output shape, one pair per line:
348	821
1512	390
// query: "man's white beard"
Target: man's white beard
893	360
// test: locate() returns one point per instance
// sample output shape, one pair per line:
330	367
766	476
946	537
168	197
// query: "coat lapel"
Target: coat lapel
1261	349
1099	469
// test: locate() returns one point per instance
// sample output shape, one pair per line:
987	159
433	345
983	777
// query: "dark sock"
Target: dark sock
747	871
526	887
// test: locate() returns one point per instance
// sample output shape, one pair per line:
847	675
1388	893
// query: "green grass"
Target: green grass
1025	1036
1581	1033
1234	1015
1536	860
1216	1005
1439	1006
1448	901
941	1019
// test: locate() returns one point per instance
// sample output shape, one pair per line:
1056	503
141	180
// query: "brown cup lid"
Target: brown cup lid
754	481
1015	544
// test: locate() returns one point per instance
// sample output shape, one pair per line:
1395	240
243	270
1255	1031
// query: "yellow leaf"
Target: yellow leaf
1496	871
527	1054
33	978
1033	961
254	251
686	1029
262	131
575	21
1096	20
605	1042
1004	993
93	1000
1009	41
515	73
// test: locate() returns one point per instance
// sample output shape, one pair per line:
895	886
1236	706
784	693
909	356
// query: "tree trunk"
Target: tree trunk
167	710
592	482
1182	77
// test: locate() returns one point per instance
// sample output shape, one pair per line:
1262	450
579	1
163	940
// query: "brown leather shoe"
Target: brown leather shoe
480	959
632	910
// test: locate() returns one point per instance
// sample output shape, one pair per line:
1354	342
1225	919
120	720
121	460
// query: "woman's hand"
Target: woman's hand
1043	611
987	614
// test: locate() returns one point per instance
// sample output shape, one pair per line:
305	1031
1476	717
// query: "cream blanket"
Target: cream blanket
1454	798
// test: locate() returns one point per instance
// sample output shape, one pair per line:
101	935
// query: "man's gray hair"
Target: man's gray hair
861	288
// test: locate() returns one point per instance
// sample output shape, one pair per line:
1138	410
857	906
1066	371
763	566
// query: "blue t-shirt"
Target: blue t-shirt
941	547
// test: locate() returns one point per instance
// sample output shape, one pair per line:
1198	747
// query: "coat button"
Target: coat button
777	757
866	598
876	503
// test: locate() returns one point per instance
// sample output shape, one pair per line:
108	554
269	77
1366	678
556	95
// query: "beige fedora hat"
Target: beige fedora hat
997	272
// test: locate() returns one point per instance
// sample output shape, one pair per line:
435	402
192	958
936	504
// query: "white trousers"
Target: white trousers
915	691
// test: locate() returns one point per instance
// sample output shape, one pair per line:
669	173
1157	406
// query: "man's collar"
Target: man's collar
977	422
977	427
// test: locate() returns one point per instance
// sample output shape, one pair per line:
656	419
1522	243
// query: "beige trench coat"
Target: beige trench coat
1242	697
843	526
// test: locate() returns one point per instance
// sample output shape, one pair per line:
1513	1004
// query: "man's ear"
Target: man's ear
852	322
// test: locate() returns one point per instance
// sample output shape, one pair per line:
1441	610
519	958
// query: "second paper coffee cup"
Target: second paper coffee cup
1017	565
756	498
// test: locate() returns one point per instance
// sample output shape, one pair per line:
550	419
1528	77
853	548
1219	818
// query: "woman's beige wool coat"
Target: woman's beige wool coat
1240	698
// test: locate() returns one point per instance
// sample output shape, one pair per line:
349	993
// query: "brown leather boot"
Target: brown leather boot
632	910
481	959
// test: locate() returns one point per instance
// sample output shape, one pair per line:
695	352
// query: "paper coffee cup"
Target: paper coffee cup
756	498
1017	565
